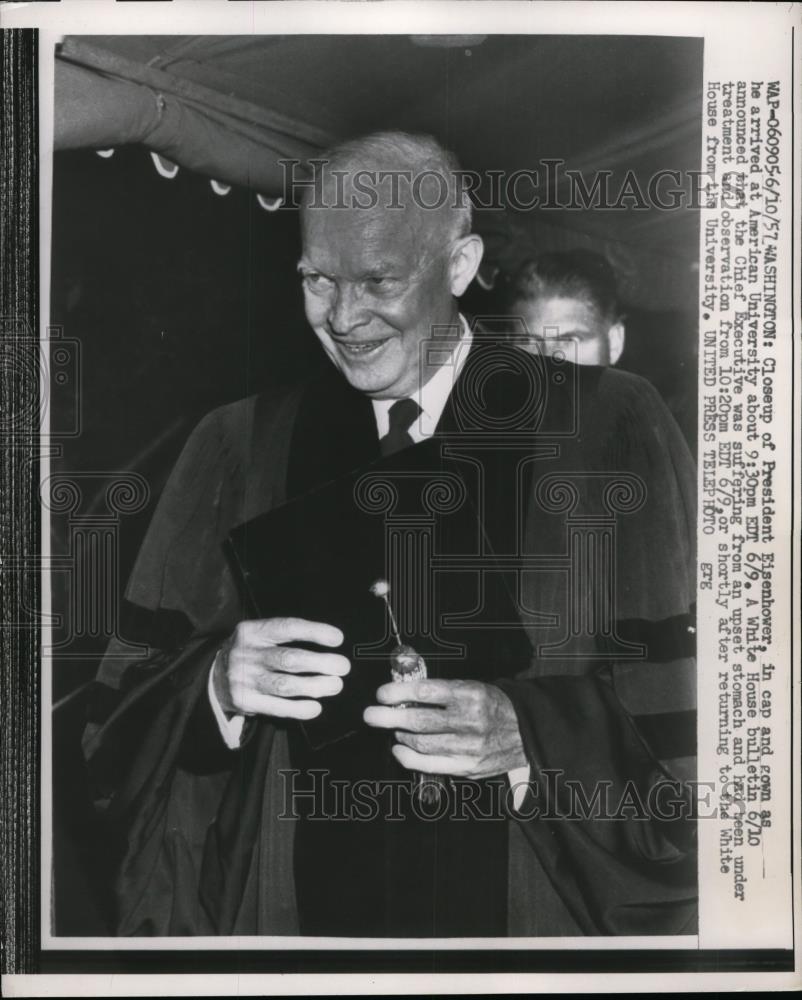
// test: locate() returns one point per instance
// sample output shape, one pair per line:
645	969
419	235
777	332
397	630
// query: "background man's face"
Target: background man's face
375	283
568	325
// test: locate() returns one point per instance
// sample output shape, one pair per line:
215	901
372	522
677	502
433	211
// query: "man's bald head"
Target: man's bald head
387	251
394	172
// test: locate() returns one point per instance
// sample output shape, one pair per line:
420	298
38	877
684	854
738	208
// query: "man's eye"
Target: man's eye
313	279
382	284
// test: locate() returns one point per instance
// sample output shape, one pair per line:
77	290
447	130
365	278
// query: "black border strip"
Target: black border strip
377	962
19	490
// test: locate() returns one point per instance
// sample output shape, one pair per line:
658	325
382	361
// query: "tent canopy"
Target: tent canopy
232	107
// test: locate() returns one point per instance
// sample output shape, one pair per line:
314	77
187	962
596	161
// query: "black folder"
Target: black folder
411	519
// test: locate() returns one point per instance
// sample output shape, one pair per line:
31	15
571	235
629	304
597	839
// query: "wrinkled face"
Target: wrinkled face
375	284
572	327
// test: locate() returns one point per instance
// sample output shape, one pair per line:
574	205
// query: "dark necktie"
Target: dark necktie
403	414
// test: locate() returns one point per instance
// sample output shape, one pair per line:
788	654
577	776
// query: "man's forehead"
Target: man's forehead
558	310
362	237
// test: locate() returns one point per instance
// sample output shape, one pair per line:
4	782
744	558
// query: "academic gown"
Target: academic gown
604	842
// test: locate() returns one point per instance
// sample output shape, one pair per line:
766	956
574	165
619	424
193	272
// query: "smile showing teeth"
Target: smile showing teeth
363	348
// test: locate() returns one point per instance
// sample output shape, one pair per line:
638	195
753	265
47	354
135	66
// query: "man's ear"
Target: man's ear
466	256
615	336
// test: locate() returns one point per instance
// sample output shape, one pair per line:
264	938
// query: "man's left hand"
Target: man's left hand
464	729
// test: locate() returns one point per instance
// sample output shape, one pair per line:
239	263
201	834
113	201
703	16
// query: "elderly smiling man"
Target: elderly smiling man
188	749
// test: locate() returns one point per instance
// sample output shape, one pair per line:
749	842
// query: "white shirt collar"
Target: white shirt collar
433	395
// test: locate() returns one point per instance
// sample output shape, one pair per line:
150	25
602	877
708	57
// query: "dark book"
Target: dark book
410	519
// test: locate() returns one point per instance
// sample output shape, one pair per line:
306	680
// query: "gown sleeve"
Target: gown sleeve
160	772
612	741
180	598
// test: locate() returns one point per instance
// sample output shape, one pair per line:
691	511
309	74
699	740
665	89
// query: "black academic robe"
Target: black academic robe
605	708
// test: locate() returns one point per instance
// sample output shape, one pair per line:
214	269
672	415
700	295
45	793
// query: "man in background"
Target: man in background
567	303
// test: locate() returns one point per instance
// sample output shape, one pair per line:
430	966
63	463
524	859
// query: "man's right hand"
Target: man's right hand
258	673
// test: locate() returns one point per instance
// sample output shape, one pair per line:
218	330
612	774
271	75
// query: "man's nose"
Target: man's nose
348	312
